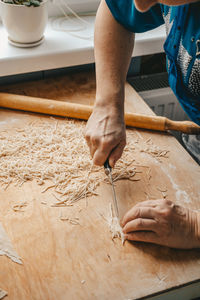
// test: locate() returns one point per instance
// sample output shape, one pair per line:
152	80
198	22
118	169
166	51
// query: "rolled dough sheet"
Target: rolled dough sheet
6	247
2	294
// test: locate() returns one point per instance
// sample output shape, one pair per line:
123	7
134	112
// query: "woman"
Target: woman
158	221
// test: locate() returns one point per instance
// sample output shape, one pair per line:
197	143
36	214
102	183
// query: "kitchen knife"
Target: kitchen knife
108	172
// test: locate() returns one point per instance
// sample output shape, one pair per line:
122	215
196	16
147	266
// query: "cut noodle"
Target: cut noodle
55	154
114	226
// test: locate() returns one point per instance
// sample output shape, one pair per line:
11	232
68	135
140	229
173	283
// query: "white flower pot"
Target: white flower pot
25	25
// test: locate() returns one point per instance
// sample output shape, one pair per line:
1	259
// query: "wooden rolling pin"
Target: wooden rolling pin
79	111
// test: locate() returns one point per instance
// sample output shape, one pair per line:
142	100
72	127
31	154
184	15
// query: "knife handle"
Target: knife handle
107	167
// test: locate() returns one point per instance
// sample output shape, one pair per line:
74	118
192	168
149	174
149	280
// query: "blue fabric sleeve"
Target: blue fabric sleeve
126	14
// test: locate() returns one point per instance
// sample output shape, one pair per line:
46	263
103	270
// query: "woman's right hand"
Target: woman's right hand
105	134
105	131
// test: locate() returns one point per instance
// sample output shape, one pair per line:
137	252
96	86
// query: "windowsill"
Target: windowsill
62	49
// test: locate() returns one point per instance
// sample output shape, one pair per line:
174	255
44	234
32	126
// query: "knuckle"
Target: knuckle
115	157
137	212
94	139
125	229
165	209
106	144
167	203
149	211
98	160
87	136
123	143
120	151
139	222
166	213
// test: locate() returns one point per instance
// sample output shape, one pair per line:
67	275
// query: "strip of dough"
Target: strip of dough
6	247
2	294
114	226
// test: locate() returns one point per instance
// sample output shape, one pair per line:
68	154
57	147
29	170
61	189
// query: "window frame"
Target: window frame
78	6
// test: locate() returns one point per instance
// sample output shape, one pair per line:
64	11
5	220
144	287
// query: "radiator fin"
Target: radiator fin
149	82
164	103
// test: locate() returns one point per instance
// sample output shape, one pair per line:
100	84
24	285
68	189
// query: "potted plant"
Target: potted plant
24	20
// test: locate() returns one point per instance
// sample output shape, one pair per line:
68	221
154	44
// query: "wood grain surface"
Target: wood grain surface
64	261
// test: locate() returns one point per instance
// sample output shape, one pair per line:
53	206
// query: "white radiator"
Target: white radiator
163	102
155	90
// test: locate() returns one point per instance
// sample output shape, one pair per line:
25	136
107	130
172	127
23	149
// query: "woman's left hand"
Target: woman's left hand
162	222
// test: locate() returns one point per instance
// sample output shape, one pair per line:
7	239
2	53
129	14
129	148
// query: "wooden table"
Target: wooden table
62	261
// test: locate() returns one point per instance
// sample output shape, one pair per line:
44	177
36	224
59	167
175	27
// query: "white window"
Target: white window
78	6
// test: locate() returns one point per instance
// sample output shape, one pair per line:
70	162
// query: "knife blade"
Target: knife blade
108	172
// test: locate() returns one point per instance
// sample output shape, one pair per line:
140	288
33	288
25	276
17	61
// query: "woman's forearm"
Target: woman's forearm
113	50
105	131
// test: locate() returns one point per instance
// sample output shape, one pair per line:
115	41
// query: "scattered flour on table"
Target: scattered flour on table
155	151
180	194
6	247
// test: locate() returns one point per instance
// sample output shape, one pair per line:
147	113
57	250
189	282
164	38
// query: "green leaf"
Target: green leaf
24	2
9	1
35	2
27	3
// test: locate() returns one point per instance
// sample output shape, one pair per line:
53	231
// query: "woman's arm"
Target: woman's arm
105	130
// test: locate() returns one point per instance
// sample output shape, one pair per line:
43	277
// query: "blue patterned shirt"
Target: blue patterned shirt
182	45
